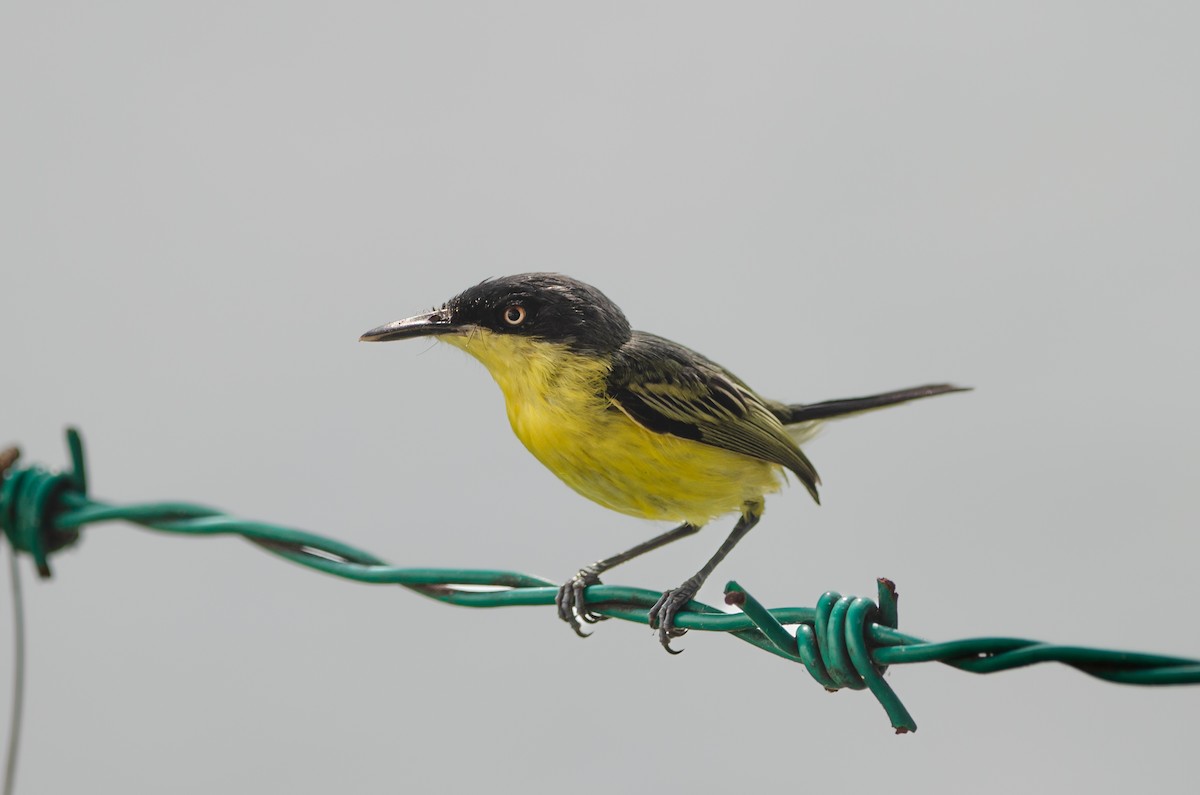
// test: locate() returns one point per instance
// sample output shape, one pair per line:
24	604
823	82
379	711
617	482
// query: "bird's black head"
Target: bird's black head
544	306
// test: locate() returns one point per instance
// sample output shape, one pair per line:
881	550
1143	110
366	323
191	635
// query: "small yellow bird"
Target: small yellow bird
630	420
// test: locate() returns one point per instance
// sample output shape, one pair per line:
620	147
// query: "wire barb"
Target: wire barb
834	647
31	499
845	642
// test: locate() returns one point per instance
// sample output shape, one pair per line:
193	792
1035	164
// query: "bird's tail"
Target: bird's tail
803	419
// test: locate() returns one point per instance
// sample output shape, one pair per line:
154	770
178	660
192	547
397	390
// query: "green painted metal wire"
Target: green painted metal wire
843	642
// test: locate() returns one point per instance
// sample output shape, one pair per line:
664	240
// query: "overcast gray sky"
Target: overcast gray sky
203	205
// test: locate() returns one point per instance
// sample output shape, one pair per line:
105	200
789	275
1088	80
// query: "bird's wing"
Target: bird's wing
666	388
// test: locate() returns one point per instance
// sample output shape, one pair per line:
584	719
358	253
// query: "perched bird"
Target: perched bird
630	420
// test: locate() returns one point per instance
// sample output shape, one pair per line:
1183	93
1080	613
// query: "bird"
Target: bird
631	420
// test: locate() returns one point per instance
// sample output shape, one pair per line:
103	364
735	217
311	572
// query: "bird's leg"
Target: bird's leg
571	599
662	615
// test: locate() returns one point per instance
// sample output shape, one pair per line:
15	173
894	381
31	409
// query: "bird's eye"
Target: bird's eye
515	315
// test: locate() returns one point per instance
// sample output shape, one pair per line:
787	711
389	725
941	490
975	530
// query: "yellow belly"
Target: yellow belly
627	468
553	404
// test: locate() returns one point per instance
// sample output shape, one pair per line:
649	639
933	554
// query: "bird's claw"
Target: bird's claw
662	615
571	600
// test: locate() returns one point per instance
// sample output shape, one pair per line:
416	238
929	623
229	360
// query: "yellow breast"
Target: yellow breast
556	405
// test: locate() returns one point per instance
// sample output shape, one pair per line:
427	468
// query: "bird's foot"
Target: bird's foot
572	601
662	615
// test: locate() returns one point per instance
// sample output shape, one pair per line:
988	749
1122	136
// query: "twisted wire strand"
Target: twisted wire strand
845	642
17	711
8	457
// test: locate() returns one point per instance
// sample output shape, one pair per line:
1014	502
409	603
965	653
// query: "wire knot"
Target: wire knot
834	645
31	499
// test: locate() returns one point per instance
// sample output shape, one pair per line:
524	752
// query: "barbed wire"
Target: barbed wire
844	642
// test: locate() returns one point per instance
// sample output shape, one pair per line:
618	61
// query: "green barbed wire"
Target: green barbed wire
844	642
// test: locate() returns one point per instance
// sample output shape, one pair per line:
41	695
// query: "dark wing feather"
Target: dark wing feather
666	388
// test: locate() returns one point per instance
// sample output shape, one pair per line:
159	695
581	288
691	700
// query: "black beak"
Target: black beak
426	325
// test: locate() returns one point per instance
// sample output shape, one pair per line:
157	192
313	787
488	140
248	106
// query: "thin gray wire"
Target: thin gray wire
18	698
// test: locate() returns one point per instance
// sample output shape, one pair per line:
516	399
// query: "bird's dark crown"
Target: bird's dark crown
549	306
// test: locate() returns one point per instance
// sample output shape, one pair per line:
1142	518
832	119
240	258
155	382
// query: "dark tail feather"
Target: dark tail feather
836	408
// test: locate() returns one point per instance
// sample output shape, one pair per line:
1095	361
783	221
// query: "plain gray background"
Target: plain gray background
203	205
